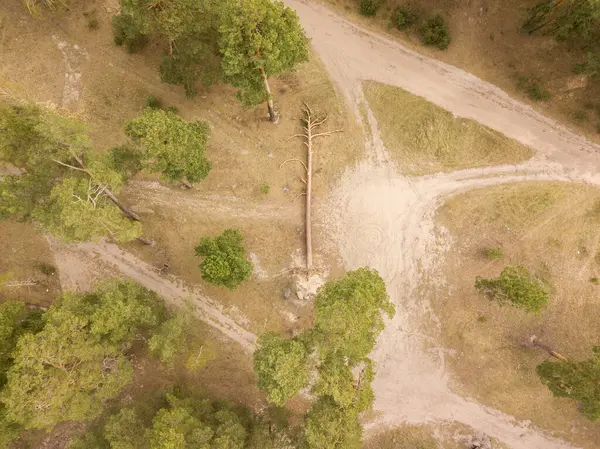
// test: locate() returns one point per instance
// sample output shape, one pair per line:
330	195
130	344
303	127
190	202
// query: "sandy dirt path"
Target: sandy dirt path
384	220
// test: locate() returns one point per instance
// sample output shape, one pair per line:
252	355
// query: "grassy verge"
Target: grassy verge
424	138
554	230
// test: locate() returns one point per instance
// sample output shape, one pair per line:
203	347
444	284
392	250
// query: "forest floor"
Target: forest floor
367	212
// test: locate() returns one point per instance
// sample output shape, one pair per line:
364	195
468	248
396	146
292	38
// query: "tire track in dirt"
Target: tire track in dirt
382	219
81	265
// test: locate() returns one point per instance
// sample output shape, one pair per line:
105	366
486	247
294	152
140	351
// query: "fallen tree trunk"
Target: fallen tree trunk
535	342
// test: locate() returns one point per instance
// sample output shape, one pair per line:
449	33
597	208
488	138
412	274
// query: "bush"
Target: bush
369	7
225	263
405	17
517	287
265	188
125	33
434	32
152	102
493	253
532	86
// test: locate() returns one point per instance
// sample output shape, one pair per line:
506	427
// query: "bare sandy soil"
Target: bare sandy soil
378	218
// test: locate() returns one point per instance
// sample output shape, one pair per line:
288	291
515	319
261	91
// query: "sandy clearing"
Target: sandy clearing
381	219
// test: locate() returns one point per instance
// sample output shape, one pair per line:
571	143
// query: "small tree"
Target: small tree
259	39
282	367
225	260
349	313
171	145
170	339
579	381
125	430
515	286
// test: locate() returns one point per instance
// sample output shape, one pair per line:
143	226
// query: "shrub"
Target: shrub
125	33
533	87
434	32
152	102
369	7
264	188
493	253
225	259
517	287
405	17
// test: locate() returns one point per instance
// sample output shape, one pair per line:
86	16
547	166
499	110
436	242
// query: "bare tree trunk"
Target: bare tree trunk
310	124
272	114
145	241
535	342
309	137
131	214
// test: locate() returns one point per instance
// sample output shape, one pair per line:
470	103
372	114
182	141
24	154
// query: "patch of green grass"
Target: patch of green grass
424	138
265	188
595	280
533	87
92	19
45	268
492	253
579	116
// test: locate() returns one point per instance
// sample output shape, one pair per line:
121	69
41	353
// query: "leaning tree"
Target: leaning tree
58	180
259	39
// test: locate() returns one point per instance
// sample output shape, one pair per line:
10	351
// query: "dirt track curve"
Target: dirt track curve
382	219
379	218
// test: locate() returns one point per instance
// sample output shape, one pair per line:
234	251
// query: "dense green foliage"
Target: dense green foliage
579	381
259	39
76	361
405	17
187	27
171	145
281	366
348	313
515	286
435	32
225	260
348	321
61	183
329	426
369	7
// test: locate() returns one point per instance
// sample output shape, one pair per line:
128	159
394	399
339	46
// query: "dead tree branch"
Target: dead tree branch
309	124
535	342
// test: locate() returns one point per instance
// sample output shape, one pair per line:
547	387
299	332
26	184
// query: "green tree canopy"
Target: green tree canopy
259	39
225	260
76	362
515	286
170	339
329	426
126	430
579	381
282	367
171	145
349	314
189	29
61	182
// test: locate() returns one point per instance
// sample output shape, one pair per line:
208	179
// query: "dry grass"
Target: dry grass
424	138
435	436
554	229
487	41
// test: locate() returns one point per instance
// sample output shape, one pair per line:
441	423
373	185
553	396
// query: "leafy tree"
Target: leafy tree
9	430
125	430
196	424
225	260
169	339
579	381
171	145
188	27
12	313
259	39
282	367
349	314
76	362
62	183
329	426
515	286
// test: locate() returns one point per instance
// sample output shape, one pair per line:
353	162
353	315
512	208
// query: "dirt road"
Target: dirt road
382	219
